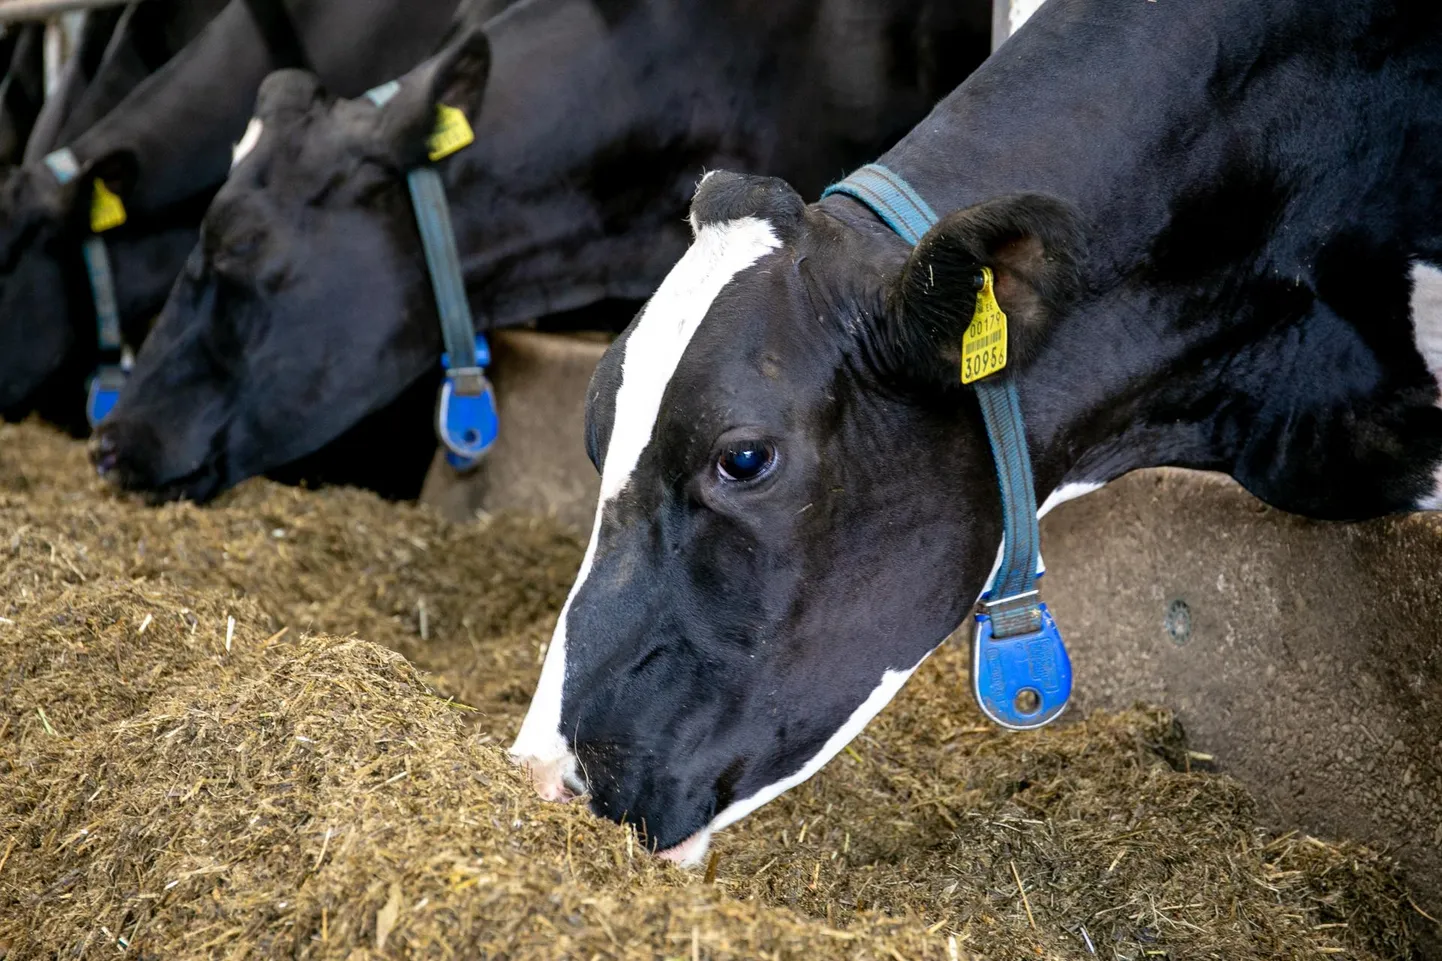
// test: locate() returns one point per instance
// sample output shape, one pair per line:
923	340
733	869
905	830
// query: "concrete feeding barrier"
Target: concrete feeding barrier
1301	656
539	463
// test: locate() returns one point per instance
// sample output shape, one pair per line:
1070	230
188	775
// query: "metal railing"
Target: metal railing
13	10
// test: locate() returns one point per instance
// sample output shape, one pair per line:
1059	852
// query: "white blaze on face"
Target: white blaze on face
1427	335
653	350
253	131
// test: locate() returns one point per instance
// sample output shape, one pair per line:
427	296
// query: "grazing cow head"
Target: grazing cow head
779	425
303	309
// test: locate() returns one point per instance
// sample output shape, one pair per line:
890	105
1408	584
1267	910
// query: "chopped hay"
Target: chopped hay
309	795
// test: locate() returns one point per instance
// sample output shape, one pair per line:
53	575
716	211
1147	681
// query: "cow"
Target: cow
592	121
118	48
1213	227
164	151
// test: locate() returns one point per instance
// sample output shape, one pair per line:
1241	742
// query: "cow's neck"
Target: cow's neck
573	189
181	123
1248	285
577	187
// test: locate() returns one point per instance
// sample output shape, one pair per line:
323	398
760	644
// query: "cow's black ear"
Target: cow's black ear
459	74
456	77
118	169
1034	245
288	92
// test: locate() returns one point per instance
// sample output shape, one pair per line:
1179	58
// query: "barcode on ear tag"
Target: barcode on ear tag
453	132
106	209
983	346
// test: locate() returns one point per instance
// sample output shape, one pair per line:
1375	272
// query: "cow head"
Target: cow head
306	305
798	501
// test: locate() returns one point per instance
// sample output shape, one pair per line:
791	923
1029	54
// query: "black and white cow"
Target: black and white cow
1215	229
165	150
592	120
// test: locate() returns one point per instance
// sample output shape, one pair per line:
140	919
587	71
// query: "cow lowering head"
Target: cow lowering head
780	425
303	309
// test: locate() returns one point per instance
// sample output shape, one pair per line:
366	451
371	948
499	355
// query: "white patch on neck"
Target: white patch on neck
1068	492
653	351
1427	335
253	131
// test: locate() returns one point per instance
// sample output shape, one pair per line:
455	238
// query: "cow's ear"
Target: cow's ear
288	92
76	203
456	77
1033	244
118	170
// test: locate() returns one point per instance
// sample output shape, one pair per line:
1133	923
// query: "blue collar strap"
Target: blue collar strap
105	384
1020	672
466	417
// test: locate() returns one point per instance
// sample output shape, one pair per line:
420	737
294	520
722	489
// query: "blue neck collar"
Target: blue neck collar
1021	674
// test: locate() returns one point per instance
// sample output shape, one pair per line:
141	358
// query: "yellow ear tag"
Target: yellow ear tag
453	132
983	346
106	209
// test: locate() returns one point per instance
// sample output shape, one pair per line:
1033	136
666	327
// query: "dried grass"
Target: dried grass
304	794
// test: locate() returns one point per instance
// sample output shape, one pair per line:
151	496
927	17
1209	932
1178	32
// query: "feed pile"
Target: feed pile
197	760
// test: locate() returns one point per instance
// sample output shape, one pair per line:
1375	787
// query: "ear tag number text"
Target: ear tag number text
983	346
106	209
453	133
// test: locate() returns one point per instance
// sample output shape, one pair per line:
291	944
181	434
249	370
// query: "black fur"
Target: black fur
1034	245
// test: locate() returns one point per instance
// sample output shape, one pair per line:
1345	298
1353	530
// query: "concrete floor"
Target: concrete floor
1304	656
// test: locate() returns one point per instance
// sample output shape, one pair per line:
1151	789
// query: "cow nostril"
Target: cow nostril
575	785
555	779
104	452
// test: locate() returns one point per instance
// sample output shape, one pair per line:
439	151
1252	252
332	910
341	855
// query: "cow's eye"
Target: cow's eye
746	461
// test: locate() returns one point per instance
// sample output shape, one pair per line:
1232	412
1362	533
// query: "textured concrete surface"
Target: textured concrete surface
1305	656
539	463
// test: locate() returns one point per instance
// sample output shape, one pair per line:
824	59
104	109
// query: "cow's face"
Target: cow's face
36	331
798	503
306	305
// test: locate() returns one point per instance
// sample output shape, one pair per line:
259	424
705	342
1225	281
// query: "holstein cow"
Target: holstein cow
119	47
1213	227
308	302
163	152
